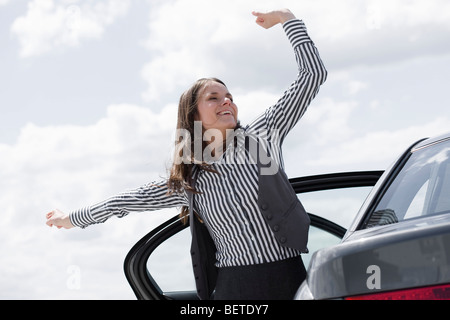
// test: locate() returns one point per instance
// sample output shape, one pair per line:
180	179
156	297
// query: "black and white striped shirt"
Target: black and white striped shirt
228	199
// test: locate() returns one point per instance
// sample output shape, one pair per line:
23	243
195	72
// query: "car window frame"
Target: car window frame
386	182
135	263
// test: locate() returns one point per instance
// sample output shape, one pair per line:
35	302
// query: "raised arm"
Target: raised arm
284	115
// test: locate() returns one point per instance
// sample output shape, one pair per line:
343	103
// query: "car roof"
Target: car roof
430	141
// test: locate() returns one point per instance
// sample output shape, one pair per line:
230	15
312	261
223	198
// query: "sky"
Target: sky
88	103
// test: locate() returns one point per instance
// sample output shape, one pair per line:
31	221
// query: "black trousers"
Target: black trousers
269	281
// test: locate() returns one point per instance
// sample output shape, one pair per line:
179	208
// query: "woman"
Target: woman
257	251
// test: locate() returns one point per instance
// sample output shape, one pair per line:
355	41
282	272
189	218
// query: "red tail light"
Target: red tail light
440	292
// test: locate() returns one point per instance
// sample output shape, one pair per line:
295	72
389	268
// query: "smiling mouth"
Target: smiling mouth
224	113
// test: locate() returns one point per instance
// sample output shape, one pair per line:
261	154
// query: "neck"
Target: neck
216	143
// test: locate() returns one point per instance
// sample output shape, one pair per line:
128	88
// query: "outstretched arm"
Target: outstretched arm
269	19
149	197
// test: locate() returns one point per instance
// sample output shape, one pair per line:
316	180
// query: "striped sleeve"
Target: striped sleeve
285	114
150	197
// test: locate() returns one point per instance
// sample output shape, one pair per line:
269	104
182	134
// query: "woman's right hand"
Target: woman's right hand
58	219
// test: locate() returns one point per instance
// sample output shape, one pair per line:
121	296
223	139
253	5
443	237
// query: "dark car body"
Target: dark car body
398	246
386	252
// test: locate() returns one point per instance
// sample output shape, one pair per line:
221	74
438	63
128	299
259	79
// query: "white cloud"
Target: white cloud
330	120
125	138
374	150
181	44
374	32
201	39
69	167
350	19
48	25
356	86
160	73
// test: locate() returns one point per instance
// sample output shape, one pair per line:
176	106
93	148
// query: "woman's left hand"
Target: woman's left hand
269	19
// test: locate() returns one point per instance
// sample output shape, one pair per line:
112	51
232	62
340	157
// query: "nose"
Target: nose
226	101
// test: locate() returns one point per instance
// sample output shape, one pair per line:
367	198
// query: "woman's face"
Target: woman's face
216	109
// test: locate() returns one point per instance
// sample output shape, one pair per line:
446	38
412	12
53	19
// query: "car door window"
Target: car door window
337	205
421	188
170	263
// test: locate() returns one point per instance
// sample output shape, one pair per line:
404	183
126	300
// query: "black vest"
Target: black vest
282	211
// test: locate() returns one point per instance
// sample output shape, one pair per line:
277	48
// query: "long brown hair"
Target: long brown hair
182	166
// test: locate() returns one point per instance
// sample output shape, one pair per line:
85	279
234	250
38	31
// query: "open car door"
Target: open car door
158	267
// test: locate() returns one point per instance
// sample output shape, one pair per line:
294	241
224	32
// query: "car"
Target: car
374	235
398	246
